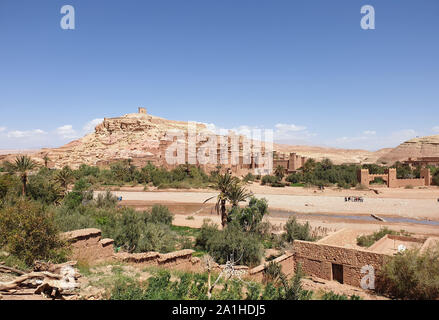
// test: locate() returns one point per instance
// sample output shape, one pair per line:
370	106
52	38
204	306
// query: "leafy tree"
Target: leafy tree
279	172
245	248
309	166
29	233
412	275
43	188
250	217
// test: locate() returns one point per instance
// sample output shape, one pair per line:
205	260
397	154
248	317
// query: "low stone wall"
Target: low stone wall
179	260
286	262
88	246
319	260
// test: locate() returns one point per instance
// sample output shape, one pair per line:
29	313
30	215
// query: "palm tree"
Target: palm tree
22	165
46	160
237	194
279	172
64	177
223	183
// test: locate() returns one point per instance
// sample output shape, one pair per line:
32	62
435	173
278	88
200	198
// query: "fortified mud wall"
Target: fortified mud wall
365	178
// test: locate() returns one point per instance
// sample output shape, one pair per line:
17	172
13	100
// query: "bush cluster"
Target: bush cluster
28	232
412	275
368	240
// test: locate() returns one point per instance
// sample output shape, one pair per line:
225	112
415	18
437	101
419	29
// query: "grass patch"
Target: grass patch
368	240
185	231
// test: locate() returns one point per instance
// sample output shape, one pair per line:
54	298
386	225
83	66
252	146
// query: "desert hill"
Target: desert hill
336	155
414	148
143	137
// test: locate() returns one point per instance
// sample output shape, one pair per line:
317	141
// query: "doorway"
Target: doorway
337	272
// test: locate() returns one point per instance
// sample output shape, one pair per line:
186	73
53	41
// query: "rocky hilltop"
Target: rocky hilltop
414	148
136	136
143	138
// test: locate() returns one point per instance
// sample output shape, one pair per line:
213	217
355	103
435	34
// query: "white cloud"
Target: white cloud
16	134
369	140
435	129
66	132
291	133
282	133
90	126
37	138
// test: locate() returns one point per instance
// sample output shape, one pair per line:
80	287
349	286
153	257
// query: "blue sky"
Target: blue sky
303	68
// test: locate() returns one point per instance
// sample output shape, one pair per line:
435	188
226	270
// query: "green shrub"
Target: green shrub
157	237
42	188
28	232
272	272
297	231
268	180
368	240
208	230
293	178
436	178
412	275
3	190
126	288
249	178
106	200
250	217
292	289
160	214
334	296
131	230
232	243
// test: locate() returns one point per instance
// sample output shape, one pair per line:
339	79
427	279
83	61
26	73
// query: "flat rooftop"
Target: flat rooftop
389	244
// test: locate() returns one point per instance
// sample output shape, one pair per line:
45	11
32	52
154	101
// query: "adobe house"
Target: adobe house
365	178
337	257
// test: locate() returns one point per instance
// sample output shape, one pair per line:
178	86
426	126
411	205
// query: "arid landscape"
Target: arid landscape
219	159
123	166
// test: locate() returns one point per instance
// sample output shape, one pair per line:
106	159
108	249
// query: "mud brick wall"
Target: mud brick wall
318	259
88	246
286	262
179	260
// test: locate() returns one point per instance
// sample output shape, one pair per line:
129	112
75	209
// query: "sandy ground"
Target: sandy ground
325	209
327	202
